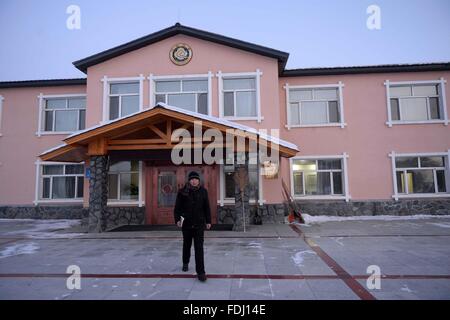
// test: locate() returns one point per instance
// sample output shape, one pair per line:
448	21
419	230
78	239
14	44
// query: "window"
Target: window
123	181
317	177
64	114
189	94
124	99
229	183
61	181
313	106
416	102
240	95
420	174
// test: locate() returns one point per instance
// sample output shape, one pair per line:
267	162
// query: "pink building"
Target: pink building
350	141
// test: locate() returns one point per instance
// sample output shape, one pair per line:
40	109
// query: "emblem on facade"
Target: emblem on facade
181	54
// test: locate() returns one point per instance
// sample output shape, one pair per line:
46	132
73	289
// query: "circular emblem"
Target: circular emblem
181	54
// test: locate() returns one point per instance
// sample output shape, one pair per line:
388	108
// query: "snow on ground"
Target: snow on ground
18	249
442	225
321	219
33	228
300	256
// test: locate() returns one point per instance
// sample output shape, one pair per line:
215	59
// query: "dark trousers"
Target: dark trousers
195	233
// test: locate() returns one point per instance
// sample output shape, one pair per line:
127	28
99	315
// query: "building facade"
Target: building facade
351	141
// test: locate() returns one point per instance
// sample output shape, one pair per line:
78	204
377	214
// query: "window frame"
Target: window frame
140	202
441	98
40	178
243	75
41	119
107	81
154	78
228	201
346	192
396	195
340	100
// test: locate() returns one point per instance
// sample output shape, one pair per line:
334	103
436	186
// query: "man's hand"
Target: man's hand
208	226
179	224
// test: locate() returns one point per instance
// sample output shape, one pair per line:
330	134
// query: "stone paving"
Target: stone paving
271	261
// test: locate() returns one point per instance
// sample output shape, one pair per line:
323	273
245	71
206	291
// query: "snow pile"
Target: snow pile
300	256
321	219
18	249
442	225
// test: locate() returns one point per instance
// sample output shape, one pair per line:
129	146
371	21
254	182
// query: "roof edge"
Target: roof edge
105	55
42	83
417	67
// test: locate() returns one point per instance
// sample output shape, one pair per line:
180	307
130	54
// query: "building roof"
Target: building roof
367	69
83	64
43	83
75	141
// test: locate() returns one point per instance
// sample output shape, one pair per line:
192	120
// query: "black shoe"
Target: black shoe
185	267
202	277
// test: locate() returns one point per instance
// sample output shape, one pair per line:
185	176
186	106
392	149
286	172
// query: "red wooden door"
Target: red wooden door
163	183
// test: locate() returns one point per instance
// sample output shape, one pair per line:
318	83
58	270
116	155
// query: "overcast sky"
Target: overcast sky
36	43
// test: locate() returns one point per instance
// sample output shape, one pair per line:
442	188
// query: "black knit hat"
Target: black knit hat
193	175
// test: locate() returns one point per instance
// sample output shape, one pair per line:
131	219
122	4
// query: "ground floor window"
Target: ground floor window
421	174
317	177
62	181
229	181
123	181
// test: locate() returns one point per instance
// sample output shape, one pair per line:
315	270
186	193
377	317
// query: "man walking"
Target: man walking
192	213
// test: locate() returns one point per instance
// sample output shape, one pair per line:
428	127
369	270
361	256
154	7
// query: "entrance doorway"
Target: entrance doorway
163	183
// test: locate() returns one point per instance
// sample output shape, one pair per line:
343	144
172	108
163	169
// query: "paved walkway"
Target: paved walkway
321	261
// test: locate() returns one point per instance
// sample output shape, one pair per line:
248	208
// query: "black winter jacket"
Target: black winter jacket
193	205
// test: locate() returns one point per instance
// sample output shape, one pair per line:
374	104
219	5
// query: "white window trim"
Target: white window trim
107	81
257	75
152	79
442	99
37	199
140	202
1	112
344	156
339	86
222	200
42	98
397	196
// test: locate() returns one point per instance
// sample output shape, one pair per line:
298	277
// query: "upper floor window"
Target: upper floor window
123	99
61	181
416	102
314	106
122	96
240	95
62	114
189	94
421	174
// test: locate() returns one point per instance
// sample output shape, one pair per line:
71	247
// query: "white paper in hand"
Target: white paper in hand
181	221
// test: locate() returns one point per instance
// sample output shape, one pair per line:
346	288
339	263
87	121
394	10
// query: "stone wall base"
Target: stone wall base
270	213
43	212
401	207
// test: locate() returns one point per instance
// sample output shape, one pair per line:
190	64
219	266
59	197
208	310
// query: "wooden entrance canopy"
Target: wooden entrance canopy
152	129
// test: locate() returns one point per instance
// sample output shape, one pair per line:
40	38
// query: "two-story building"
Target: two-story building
349	140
